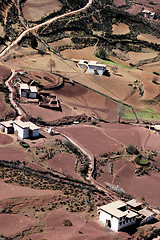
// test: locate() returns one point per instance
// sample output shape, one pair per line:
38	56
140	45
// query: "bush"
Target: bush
67	223
132	150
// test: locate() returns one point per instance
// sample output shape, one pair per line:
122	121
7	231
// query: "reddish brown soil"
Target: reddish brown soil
12	224
128	134
4	73
149	38
35	10
4	139
5	109
86	53
119	3
79	230
48	80
92	138
138	187
64	41
120	28
12	154
13	191
135	9
76	100
64	163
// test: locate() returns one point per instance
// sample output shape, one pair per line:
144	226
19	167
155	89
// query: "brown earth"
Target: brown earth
138	187
12	154
119	3
64	163
35	10
5	139
12	191
80	229
64	41
149	38
4	73
87	53
92	138
12	224
5	109
120	28
136	57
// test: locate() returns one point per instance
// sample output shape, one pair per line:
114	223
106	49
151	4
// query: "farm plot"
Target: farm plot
64	163
120	28
12	154
4	73
12	224
149	38
4	139
35	10
93	139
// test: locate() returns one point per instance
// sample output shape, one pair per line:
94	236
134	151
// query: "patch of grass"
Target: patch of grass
147	114
113	63
127	113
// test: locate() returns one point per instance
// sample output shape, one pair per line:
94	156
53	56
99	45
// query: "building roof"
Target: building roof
7	124
92	62
146	11
157	127
30	125
33	89
24	86
82	61
113	209
134	203
145	212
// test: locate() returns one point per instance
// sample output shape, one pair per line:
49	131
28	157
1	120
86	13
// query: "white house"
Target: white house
24	89
26	129
148	14
92	67
146	215
33	92
6	127
83	64
116	215
95	68
28	91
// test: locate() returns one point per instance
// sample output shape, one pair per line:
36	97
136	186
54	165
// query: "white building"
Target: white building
116	215
26	129
24	89
92	67
6	127
22	129
146	215
32	92
95	68
28	91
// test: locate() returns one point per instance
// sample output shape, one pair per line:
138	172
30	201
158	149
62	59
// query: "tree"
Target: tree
51	64
101	53
120	112
42	49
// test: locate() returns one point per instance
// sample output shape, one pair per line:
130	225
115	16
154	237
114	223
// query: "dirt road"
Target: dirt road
18	39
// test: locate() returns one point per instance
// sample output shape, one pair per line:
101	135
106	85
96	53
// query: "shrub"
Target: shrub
132	150
67	223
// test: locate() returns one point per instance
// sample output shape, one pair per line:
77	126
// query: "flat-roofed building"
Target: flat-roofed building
33	92
146	215
26	129
116	215
96	68
134	204
92	67
7	127
24	90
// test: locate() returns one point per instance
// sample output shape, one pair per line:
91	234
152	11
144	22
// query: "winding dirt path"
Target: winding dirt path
18	39
19	110
113	196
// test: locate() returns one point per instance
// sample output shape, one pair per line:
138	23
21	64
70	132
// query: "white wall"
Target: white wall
32	95
22	132
23	93
114	221
91	69
35	133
